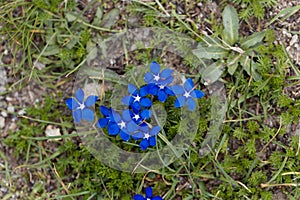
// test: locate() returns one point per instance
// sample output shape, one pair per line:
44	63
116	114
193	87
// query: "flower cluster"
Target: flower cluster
134	121
148	195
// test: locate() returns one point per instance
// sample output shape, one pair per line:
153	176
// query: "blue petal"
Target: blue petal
77	115
144	127
138	197
148	192
79	95
136	106
91	100
132	127
188	85
72	103
167	81
115	117
177	89
148	78
104	110
197	94
152	89
124	136
102	122
143	90
154	67
191	104
127	100
155	130
152	141
131	89
144	144
156	198
146	114
166	73
126	115
162	96
113	128
146	102
168	91
88	114
138	135
180	101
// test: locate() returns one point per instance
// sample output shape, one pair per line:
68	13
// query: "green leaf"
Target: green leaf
70	17
210	52
250	67
232	68
252	40
110	18
231	25
212	73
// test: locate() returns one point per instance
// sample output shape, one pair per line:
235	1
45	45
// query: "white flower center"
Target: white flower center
81	106
146	136
148	199
186	94
156	77
137	98
161	87
122	124
136	117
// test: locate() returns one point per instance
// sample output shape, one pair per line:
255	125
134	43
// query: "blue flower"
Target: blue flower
80	108
139	116
137	99
117	124
148	136
158	81
162	91
186	94
148	195
156	76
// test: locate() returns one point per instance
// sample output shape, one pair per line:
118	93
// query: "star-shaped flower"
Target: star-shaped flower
137	99
186	94
80	108
149	195
156	76
148	136
158	82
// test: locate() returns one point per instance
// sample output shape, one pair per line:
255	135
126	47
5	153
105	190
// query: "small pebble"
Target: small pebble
12	126
8	98
10	109
21	112
4	114
294	40
2	122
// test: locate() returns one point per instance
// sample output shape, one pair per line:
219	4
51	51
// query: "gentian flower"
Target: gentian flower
156	76
126	126
80	108
186	94
108	121
148	136
158	82
148	195
137	99
139	116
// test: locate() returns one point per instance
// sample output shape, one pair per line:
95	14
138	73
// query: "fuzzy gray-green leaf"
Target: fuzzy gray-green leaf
210	52
212	73
250	67
110	18
231	25
252	40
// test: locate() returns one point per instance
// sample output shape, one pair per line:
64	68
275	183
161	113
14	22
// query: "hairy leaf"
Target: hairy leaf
210	52
231	24
252	40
